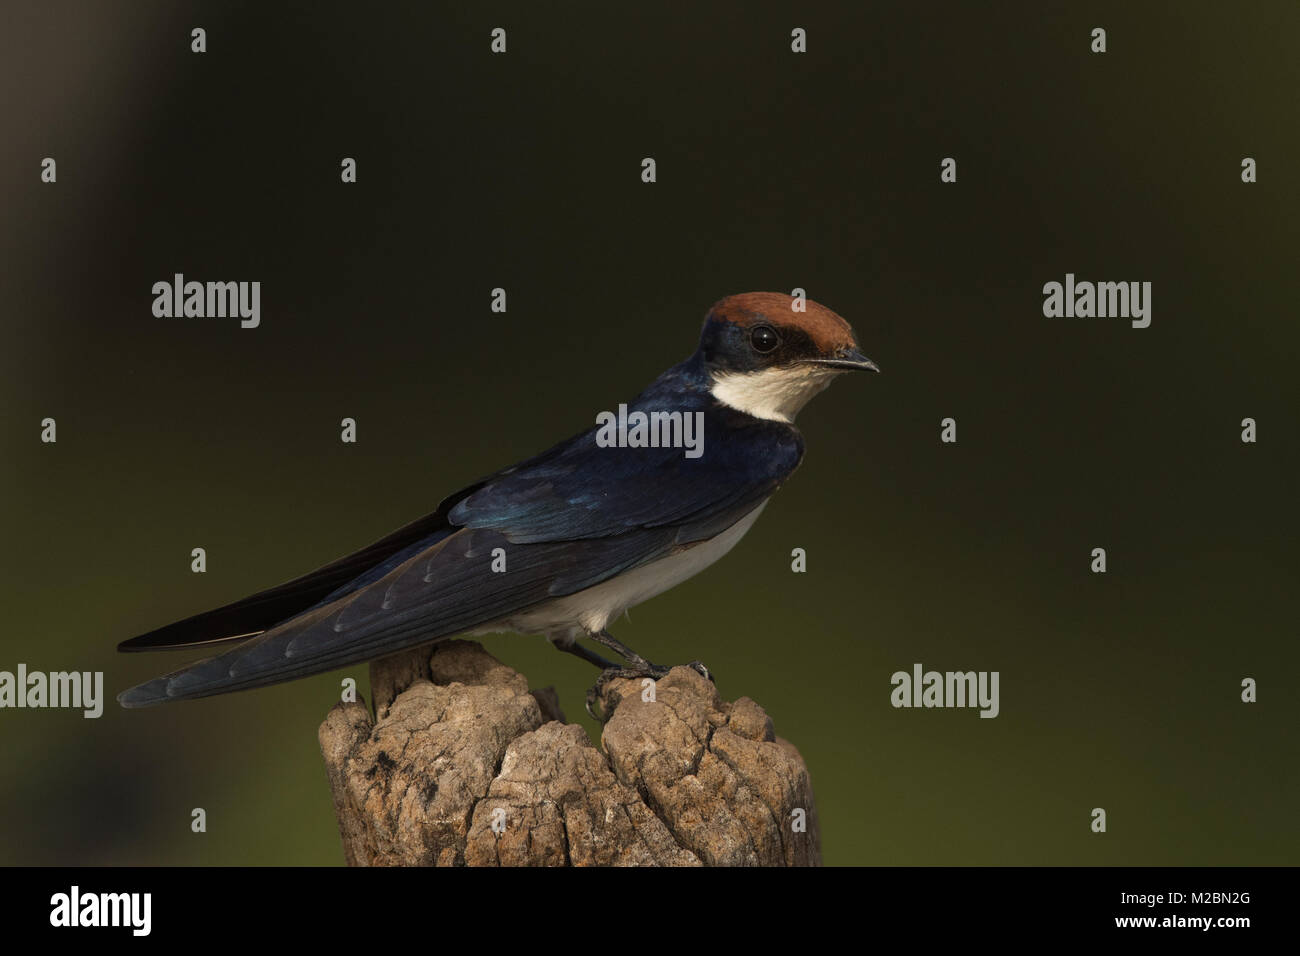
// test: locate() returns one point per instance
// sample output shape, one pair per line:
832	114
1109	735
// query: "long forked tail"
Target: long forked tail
252	615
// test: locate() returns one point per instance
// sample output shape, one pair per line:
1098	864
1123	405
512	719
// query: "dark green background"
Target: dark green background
775	171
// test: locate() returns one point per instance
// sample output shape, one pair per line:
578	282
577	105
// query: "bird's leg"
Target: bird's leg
637	666
591	657
622	650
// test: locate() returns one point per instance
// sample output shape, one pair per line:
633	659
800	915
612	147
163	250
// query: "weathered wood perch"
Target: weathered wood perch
459	743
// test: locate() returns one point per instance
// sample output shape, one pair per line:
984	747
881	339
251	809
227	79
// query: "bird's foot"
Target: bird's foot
638	668
596	692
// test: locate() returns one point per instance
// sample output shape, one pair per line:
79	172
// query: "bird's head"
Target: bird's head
768	360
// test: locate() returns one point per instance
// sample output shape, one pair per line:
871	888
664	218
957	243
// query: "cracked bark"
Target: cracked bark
464	765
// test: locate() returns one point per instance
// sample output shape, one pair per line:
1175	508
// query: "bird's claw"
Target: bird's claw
596	693
699	668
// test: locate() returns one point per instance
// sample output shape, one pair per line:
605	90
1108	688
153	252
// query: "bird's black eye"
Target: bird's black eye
763	339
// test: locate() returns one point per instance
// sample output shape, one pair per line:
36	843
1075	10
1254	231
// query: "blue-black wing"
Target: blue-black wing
568	519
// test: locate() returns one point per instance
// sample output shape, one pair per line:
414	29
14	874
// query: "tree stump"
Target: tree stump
463	765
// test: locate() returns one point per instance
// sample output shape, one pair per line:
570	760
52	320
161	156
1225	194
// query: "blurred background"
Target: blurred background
775	171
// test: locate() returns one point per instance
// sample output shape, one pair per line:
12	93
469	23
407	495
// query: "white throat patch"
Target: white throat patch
776	394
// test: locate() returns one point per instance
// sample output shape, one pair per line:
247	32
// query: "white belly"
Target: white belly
592	609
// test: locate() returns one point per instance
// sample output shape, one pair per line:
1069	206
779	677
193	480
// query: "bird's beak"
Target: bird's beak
848	360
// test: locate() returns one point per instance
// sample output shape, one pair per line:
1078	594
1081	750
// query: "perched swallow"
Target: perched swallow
588	529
